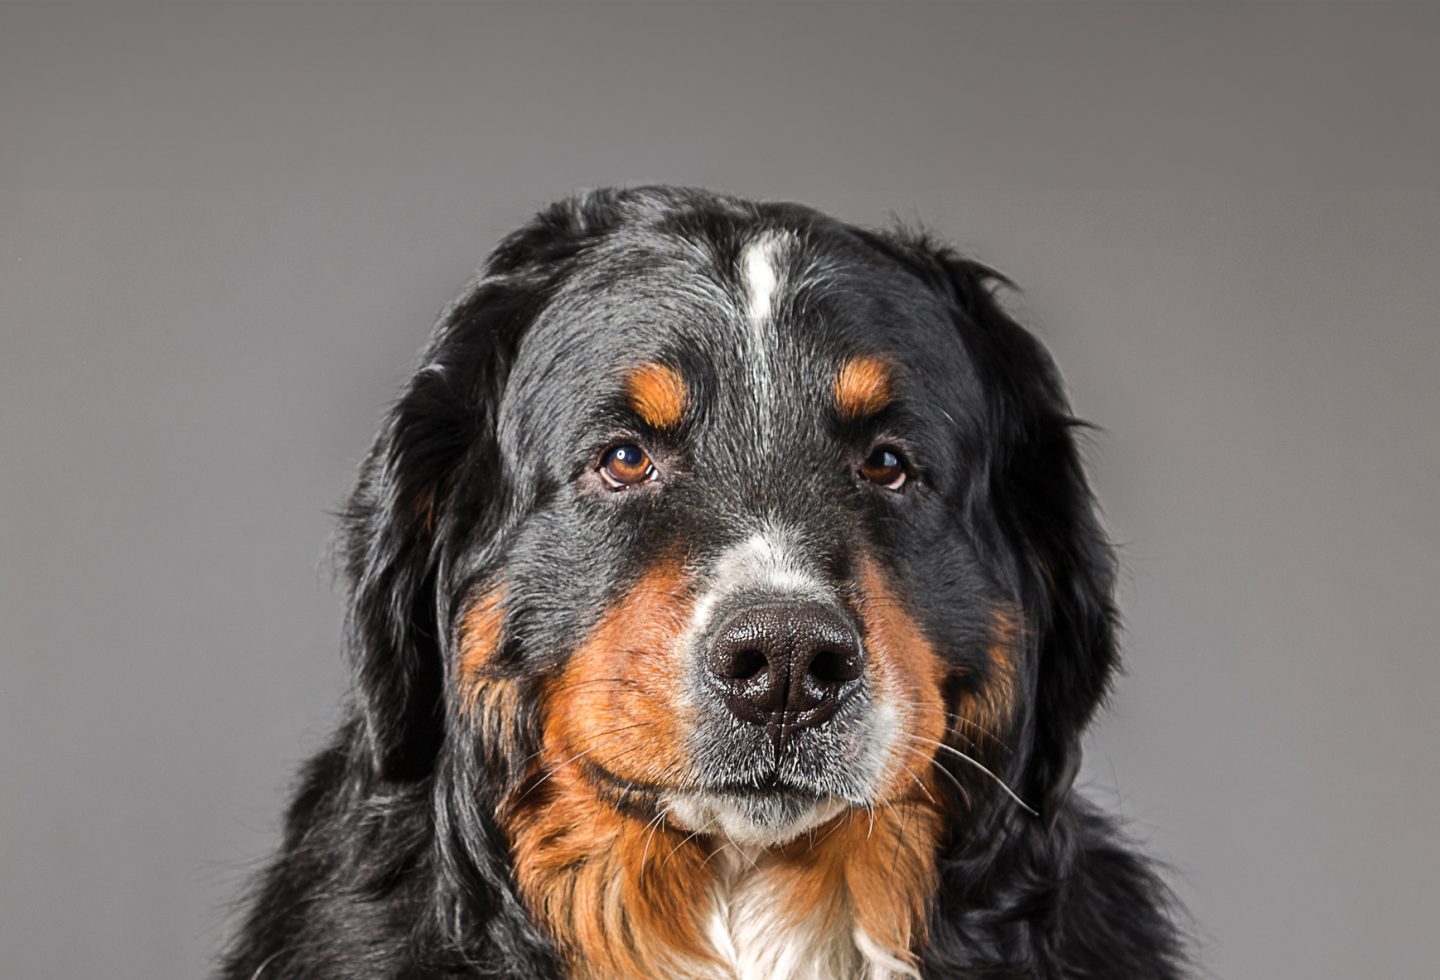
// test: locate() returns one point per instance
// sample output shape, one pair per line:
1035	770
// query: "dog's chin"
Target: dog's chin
751	818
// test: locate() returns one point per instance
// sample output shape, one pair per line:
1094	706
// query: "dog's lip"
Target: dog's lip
771	785
599	774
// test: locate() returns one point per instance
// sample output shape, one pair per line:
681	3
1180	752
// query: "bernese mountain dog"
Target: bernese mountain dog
726	600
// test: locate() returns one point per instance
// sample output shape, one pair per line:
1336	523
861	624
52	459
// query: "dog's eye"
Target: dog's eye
626	466
885	467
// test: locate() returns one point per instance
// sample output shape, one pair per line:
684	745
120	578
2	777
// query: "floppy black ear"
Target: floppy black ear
437	445
1065	566
441	427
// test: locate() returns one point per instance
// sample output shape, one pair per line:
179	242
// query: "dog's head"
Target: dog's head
741	518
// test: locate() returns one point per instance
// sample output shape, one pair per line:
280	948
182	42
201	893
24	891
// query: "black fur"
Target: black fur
392	863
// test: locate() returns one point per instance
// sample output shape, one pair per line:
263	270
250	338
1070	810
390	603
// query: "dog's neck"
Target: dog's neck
626	897
756	934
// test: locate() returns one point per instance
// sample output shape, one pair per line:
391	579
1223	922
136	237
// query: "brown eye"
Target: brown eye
626	466
885	467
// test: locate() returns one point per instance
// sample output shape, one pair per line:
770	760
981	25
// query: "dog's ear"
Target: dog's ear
1064	565
438	439
441	427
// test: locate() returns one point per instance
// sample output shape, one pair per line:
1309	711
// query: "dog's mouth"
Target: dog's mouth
739	785
765	816
766	812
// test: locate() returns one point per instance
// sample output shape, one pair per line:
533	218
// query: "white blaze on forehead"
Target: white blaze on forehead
761	268
759	263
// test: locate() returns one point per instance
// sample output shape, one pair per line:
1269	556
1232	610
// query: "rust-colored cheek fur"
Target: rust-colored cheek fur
905	671
985	714
907	668
492	698
623	897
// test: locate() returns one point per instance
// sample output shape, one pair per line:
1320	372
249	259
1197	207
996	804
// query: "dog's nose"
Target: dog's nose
787	665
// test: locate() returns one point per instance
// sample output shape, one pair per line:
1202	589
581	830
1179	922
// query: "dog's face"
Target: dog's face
743	569
730	521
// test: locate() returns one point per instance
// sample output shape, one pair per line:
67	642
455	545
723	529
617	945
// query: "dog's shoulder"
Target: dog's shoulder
1076	898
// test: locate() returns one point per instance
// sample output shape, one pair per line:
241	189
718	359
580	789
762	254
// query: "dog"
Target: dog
726	600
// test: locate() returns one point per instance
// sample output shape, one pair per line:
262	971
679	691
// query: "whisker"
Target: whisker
931	760
978	765
740	850
593	735
955	716
677	847
838	824
270	959
660	592
551	772
918	783
901	837
654	825
719	846
622	681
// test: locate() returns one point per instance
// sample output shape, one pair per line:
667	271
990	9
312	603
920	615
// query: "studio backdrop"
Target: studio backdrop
226	229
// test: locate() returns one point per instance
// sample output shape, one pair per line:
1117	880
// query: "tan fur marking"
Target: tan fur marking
863	387
623	897
657	394
480	629
616	696
989	710
908	672
983	715
493	698
882	870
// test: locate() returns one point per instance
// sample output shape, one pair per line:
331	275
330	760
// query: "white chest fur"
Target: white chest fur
756	940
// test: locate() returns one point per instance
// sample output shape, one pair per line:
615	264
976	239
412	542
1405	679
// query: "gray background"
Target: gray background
224	232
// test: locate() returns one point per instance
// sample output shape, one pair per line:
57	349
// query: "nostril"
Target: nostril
833	666
744	665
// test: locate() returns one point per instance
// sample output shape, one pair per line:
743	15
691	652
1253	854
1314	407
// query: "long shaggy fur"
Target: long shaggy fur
446	831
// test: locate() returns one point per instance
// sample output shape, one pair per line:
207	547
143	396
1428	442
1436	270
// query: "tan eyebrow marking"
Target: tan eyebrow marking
863	386
657	394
